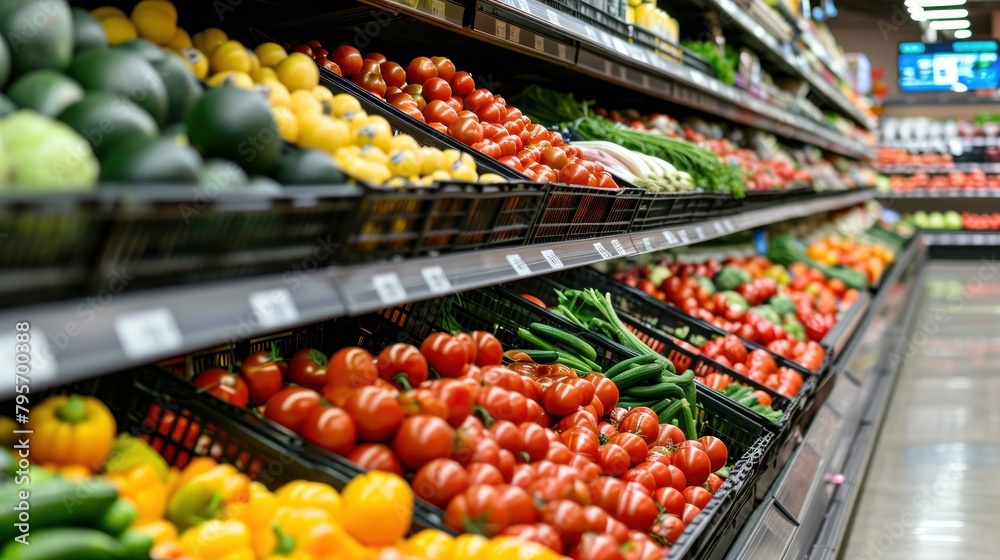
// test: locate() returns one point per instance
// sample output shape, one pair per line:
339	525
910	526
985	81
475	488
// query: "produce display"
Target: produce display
786	310
954	221
974	179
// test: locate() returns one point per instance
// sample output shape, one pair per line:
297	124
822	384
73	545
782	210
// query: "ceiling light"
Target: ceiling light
950	24
928	15
963	34
936	3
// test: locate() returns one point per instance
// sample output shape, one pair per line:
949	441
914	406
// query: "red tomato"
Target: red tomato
308	369
444	353
671	500
594	546
618	530
224	385
659	471
534	443
422	401
479	507
587	470
462	83
520	507
264	373
291	406
377	57
422	438
669	435
330	428
633	445
466	130
437	89
484	473
605	493
582	418
477	98
349	368
506	434
491	113
376	412
697	496
348	59
574	174
613	459
641	476
375	457
562	398
420	69
604	389
541	533
371	82
567	516
438	111
643	422
393	74
694	463
678	480
458	396
607	430
304	49
716	450
636	510
489	351
690	512
402	364
713	483
669	528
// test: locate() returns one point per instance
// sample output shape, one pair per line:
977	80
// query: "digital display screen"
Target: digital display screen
953	66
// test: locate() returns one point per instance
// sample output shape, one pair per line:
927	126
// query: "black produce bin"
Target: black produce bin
182	424
748	442
572	212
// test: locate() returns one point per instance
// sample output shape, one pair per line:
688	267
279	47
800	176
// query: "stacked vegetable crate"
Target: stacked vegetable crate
494	310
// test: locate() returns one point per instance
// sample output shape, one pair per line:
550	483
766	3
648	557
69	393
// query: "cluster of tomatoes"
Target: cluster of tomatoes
975	179
531	450
981	221
758	365
432	91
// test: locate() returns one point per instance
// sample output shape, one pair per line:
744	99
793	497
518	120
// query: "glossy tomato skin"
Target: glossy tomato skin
489	351
375	457
604	389
690	512
669	435
669	528
584	441
459	397
613	459
376	413
420	69
670	500
348	58
481	507
534	442
605	493
697	496
484	473
264	373
636	510
444	353
402	364
567	517
439	481
330	428
633	444
291	406
520	508
562	398
595	546
694	463
349	368
643	422
713	483
716	450
421	439
308	369
223	385
541	533
462	83
422	401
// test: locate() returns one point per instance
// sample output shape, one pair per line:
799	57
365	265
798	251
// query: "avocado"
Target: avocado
263	185
39	34
183	88
87	32
6	106
4	62
121	72
107	121
160	160
221	175
175	130
144	48
309	167
45	91
235	124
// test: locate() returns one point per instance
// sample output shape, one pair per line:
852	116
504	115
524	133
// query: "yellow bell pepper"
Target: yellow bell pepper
205	496
509	548
469	546
197	466
431	543
303	493
377	508
257	513
218	540
72	430
145	488
160	530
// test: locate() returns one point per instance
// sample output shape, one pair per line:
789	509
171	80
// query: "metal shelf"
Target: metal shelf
76	339
941	193
964	167
531	27
786	57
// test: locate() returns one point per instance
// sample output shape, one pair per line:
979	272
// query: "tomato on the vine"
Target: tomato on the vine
264	373
291	406
223	385
422	438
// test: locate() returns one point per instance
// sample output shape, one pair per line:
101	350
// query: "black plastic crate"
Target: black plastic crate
572	212
394	223
656	211
187	237
182	424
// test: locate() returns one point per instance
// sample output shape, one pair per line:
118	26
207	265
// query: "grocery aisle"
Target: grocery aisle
930	490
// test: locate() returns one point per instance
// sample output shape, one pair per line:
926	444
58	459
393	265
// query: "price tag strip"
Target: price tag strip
605	254
437	281
273	308
669	236
618	247
517	263
389	288
551	258
148	333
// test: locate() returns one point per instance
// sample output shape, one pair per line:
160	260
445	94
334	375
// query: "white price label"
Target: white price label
436	279
389	288
551	258
669	236
539	43
647	243
700	233
605	254
518	264
618	247
437	8
501	29
515	34
718	227
148	333
274	308
683	235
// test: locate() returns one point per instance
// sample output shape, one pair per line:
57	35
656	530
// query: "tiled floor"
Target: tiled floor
932	488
